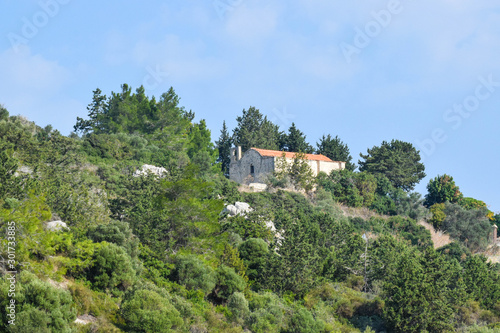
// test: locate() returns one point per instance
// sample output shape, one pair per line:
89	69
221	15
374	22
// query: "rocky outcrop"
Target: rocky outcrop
85	319
239	208
257	187
56	225
148	169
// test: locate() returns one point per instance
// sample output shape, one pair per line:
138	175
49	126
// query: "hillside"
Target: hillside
122	227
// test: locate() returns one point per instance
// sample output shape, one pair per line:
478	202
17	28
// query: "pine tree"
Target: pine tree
96	109
224	145
255	130
295	141
336	150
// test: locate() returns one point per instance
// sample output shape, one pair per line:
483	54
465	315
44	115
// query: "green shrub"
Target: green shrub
442	189
469	226
39	306
268	313
238	305
92	302
254	251
302	321
438	215
147	311
228	282
116	232
112	269
455	250
191	272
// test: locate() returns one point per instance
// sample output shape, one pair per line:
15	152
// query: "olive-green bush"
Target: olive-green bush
148	311
39	307
112	269
191	272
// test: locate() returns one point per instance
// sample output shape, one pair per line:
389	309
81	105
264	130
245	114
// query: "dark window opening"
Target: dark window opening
252	169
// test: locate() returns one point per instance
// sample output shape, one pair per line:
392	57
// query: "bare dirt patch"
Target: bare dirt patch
439	238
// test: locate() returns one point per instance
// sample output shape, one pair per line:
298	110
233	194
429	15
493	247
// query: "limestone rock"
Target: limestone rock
239	208
56	225
151	169
85	319
270	226
257	187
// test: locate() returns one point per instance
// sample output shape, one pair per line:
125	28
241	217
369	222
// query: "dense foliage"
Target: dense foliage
157	252
399	161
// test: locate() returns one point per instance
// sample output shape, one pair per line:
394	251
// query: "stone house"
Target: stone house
257	164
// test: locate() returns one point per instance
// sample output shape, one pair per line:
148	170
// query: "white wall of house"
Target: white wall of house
328	167
317	166
241	171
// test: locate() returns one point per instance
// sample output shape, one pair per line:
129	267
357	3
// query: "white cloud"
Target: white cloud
23	71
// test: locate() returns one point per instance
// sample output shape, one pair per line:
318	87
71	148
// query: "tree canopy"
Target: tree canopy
255	130
295	141
336	150
442	189
399	161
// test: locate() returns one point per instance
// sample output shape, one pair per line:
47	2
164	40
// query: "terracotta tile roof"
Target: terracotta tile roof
277	153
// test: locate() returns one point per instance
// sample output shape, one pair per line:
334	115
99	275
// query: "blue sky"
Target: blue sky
426	72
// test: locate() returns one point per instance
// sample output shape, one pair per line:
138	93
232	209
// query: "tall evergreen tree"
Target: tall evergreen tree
97	109
295	141
224	145
399	161
255	130
336	150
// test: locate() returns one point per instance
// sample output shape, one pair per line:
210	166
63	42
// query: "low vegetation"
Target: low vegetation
149	253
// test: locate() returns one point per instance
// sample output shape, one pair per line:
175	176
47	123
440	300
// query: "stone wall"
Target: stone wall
318	166
239	171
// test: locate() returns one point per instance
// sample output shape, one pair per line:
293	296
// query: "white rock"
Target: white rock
242	207
23	170
270	226
257	187
239	208
56	225
150	169
85	319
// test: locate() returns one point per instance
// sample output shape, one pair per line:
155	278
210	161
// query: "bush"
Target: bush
147	311
302	321
112	269
438	215
39	306
116	232
471	203
469	226
228	282
456	251
383	205
254	251
267	313
238	305
191	272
